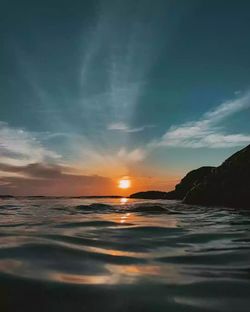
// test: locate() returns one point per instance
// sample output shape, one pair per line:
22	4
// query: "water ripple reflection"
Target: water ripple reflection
153	255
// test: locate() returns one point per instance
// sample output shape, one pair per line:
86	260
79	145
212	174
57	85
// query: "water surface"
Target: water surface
69	254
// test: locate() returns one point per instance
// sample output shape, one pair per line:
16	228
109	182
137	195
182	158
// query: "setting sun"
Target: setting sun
124	183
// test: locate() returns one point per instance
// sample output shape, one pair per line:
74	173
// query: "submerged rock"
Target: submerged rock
227	185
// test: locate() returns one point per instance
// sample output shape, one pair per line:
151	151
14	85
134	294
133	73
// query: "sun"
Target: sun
124	183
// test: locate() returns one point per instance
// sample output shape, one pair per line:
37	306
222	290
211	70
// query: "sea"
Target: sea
121	254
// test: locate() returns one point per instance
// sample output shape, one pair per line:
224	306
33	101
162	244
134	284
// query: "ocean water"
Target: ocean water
66	254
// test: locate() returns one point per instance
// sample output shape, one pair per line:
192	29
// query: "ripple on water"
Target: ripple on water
132	256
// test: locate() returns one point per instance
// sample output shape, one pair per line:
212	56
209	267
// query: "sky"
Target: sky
92	91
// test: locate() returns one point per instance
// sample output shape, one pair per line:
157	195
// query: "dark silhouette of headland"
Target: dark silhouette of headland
226	185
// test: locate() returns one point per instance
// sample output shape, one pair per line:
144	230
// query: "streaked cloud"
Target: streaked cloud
208	132
20	147
121	126
134	155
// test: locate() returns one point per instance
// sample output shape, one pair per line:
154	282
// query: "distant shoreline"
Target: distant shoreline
54	196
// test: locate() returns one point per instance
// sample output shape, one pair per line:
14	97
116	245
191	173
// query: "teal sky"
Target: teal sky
92	91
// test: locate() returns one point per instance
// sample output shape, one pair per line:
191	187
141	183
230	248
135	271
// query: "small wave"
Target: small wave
10	225
214	257
88	224
148	208
56	255
94	207
9	207
150	230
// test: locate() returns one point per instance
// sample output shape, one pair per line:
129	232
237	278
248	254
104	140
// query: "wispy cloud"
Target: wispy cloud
121	126
134	155
28	167
207	131
20	147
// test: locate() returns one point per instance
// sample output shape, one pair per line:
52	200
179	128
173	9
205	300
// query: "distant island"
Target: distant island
151	195
227	185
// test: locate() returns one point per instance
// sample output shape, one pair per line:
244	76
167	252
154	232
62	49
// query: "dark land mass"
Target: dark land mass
227	185
186	184
56	197
149	195
101	196
6	196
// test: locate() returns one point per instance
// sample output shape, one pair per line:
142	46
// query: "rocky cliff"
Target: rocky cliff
227	185
193	178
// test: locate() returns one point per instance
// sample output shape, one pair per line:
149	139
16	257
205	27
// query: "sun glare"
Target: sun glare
123	200
124	183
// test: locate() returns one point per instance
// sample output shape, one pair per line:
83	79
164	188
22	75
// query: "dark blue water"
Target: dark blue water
118	255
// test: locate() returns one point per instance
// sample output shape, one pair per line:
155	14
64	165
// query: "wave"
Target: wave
89	224
167	255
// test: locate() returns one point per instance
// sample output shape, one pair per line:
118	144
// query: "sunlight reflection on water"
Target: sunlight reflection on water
124	200
123	242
